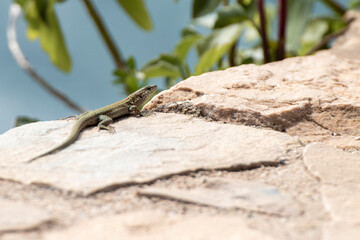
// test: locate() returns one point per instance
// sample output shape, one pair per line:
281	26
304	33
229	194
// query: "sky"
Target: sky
90	82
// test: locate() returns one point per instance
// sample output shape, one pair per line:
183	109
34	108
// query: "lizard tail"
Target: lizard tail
66	143
73	136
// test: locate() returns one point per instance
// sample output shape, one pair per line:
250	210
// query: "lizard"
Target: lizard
104	116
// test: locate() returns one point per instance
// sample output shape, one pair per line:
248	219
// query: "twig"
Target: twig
326	40
14	12
335	6
115	53
232	55
263	35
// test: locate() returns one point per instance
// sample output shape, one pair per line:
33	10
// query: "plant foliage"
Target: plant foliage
222	33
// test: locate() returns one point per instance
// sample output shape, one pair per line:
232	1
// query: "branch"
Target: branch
232	55
282	30
115	53
336	7
14	12
263	35
328	38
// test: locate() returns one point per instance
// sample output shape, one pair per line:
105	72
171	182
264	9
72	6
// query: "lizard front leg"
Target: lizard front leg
134	109
104	122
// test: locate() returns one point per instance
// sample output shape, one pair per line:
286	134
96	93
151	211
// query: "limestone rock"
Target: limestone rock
17	216
338	172
342	230
141	150
231	193
152	225
331	165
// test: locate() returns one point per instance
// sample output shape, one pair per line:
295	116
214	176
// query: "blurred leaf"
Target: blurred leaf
313	34
185	44
251	34
335	23
253	55
138	12
22	120
229	15
251	8
188	30
130	78
169	82
53	42
33	20
354	4
299	13
166	65
131	64
247	2
206	21
41	9
315	31
21	2
216	45
44	25
127	79
201	7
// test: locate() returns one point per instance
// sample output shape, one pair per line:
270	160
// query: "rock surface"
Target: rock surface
339	174
152	225
249	168
227	193
17	216
142	150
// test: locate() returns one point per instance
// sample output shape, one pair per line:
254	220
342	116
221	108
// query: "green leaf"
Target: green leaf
354	4
206	21
216	45
201	7
335	23
229	15
22	120
41	9
33	19
188	30
21	2
247	2
166	65
131	64
185	44
44	25
313	34
130	77
53	42
136	9
299	14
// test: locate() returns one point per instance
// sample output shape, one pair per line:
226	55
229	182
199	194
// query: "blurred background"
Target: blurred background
160	42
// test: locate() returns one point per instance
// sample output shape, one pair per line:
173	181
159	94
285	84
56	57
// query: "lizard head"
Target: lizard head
141	95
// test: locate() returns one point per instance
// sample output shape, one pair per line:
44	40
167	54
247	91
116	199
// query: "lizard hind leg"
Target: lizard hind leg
104	123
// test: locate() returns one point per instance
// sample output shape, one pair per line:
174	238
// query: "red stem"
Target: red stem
264	40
